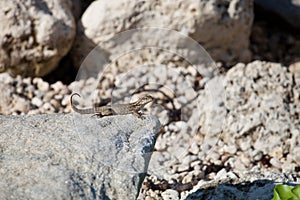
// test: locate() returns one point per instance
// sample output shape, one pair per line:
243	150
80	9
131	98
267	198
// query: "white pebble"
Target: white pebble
48	107
170	195
194	148
37	102
41	85
57	86
65	100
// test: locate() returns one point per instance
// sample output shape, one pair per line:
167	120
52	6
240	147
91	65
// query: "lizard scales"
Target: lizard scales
115	109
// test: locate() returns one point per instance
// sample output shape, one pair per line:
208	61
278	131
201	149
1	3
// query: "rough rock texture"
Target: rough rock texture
247	185
35	35
289	10
261	105
73	156
201	20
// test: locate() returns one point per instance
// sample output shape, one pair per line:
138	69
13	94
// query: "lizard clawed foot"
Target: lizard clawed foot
139	115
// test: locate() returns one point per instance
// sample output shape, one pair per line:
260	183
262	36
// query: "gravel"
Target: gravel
243	120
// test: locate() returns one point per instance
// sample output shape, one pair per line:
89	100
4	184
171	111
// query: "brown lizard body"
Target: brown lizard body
115	109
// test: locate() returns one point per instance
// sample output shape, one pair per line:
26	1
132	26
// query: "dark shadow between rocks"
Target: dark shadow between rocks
260	189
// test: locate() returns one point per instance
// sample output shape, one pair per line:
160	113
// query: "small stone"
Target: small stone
276	152
196	163
190	93
55	103
6	78
65	101
211	176
245	159
149	198
192	70
41	85
222	174
176	176
295	67
58	96
188	159
230	149
170	195
288	167
48	96
194	148
182	168
199	174
232	175
37	102
57	86
48	107
239	165
276	163
21	105
257	155
27	81
19	90
188	178
173	127
245	143
29	90
212	156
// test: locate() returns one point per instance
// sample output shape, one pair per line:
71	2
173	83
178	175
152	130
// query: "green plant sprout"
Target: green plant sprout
286	192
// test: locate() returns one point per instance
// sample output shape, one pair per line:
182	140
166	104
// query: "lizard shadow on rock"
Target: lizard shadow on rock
262	189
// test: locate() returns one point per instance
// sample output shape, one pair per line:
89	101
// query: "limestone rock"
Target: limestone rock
35	35
74	156
260	106
201	20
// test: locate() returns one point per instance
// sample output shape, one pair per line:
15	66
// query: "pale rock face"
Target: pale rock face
35	35
222	27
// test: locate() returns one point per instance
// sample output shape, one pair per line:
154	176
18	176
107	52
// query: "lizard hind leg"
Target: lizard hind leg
104	113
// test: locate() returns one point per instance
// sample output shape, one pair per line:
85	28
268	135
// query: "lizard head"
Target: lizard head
143	101
146	99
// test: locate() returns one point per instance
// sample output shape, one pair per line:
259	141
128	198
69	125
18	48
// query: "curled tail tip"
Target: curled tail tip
71	98
75	94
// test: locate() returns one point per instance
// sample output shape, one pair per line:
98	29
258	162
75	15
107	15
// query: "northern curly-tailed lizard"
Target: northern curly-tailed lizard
115	109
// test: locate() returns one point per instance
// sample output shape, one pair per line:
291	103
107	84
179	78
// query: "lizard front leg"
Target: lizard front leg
139	115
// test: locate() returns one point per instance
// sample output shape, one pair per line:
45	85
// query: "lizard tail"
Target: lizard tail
81	111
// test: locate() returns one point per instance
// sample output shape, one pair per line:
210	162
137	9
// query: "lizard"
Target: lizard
115	109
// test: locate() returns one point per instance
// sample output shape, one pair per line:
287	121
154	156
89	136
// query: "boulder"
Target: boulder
74	156
35	35
203	21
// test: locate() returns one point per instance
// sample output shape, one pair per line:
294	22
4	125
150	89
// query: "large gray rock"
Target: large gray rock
35	35
201	20
73	156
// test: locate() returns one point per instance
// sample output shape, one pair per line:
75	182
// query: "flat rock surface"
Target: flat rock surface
69	156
